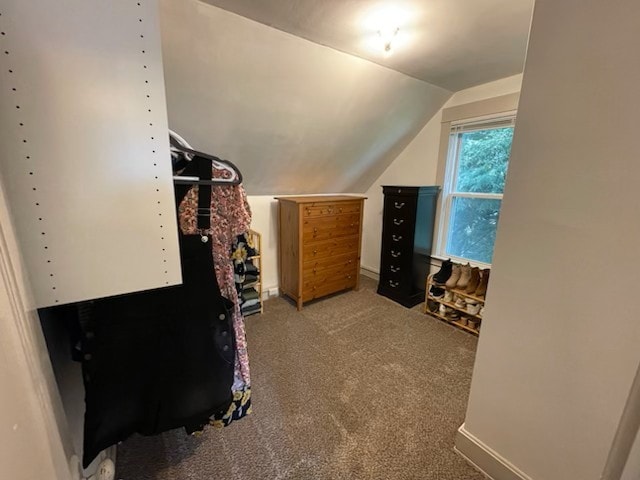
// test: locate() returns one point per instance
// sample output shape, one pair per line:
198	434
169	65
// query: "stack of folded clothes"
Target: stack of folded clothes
250	301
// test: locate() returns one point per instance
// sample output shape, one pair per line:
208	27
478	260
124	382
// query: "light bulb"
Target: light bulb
387	35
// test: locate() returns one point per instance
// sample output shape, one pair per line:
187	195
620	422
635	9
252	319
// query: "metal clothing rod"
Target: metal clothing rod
178	180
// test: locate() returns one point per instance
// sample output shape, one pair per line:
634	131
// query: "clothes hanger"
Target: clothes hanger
236	175
180	146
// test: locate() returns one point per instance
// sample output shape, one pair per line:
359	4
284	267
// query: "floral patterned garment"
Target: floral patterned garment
230	217
240	406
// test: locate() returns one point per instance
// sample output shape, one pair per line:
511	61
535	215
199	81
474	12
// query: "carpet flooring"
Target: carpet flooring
352	387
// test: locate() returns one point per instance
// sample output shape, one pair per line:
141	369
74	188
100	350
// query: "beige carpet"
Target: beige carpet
353	387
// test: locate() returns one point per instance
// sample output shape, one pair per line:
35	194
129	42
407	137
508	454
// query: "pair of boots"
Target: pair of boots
478	282
460	277
472	280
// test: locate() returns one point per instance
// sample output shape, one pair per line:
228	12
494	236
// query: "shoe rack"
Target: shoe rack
472	318
255	239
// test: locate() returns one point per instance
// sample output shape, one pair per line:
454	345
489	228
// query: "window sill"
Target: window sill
463	261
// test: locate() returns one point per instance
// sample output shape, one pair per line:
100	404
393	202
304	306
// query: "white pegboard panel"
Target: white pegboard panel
84	147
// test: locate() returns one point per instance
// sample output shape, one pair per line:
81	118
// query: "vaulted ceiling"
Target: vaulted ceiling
454	44
322	113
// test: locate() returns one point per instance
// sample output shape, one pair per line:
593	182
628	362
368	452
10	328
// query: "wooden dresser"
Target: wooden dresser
407	233
320	239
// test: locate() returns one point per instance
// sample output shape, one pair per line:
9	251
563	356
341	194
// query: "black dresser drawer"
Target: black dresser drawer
402	209
394	276
391	255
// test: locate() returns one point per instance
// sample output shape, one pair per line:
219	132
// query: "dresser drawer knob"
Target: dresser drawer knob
398	222
395	254
394	269
315	251
399	205
308	211
348	276
393	284
340	210
350	262
396	238
352	224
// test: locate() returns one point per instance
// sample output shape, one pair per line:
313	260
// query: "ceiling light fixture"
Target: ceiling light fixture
387	35
388	26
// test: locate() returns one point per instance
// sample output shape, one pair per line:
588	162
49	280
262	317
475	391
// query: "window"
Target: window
477	161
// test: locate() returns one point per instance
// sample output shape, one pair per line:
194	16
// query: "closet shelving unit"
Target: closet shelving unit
256	240
462	311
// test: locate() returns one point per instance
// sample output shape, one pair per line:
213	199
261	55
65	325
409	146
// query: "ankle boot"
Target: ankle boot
445	272
481	291
465	276
455	276
474	281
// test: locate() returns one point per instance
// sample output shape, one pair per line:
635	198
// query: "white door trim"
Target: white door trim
26	352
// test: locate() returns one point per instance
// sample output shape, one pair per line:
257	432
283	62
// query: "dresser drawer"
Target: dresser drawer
330	227
319	277
397	224
330	221
398	240
395	256
313	210
392	283
395	271
321	289
349	258
400	205
330	248
329	233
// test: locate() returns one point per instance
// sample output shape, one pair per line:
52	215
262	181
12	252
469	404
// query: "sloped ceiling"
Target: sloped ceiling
294	116
451	43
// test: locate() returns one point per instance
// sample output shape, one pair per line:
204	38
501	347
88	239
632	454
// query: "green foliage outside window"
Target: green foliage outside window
482	168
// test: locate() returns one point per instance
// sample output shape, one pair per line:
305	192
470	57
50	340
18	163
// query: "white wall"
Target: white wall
264	213
417	165
560	340
295	116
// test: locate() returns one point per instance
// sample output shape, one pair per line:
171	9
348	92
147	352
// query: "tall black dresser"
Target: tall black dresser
407	237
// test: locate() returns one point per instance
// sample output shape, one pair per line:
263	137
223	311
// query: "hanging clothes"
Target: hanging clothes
160	359
230	217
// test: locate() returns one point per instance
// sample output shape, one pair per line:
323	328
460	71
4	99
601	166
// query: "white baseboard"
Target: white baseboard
370	273
270	292
489	462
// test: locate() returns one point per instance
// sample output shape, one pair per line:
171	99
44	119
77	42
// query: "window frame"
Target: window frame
452	161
